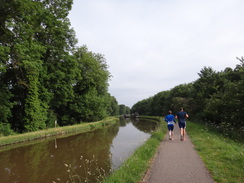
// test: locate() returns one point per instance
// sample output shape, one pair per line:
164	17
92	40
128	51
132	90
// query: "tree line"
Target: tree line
215	98
44	76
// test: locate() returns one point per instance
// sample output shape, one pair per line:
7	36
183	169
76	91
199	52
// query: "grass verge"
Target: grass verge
135	167
223	157
84	127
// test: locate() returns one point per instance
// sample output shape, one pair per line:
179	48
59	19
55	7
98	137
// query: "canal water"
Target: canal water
85	157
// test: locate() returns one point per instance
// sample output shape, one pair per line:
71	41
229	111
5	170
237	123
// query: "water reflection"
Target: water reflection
125	143
88	156
144	125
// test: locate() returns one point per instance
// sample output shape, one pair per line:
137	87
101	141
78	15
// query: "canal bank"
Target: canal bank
52	132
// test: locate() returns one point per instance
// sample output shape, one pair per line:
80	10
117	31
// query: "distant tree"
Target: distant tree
127	110
142	107
160	104
182	96
122	109
112	106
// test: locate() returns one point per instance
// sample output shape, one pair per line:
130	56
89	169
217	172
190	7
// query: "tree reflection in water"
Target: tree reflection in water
83	157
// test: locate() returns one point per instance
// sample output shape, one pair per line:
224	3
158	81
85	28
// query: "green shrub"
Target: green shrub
5	129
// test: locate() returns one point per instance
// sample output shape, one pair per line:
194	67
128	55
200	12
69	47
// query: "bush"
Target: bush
5	129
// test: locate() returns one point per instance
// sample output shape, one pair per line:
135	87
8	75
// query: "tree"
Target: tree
113	107
142	107
43	75
182	96
122	109
160	104
225	107
59	65
21	59
90	86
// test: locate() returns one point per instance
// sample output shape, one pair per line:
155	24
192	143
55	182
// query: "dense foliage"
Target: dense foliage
216	98
123	109
44	76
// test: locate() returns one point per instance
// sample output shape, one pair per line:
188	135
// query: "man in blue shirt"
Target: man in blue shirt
181	116
170	120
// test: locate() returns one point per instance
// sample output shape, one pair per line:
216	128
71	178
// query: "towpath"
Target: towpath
177	162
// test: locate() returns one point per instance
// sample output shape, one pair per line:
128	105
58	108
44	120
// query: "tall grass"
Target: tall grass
223	157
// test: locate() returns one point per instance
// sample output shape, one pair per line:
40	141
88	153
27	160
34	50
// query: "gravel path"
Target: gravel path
177	162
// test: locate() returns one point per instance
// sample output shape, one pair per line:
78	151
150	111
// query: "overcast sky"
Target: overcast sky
153	46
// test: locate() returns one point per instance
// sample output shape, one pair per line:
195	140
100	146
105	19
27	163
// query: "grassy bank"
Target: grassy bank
84	127
134	168
223	157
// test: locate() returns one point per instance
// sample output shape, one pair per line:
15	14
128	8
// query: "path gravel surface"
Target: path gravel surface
177	162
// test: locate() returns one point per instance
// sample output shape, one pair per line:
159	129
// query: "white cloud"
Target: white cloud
151	46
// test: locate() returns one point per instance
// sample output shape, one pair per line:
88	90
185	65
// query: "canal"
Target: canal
85	157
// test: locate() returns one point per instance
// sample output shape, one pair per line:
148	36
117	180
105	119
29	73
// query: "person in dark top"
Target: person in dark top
170	119
181	116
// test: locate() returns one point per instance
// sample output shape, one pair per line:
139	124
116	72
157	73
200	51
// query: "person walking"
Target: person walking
181	116
170	120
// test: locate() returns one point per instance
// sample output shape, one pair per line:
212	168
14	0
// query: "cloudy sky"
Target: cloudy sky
153	46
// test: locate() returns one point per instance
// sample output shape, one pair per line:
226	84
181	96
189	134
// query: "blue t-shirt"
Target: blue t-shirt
170	119
181	116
